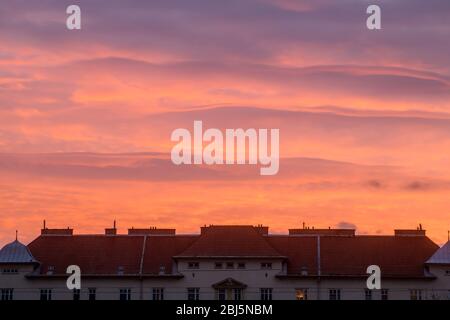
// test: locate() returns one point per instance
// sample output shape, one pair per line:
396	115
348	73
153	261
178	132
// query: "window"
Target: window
241	265
7	294
76	294
416	294
368	294
50	270
193	265
218	265
193	293
120	270
266	293
125	294
301	294
237	294
335	294
384	294
230	265
221	294
92	294
46	294
266	265
158	293
10	271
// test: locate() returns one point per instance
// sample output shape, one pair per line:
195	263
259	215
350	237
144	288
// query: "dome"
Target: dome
16	252
442	256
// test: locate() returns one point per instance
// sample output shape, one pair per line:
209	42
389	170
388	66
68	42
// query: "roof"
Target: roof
109	255
442	256
396	256
230	241
16	252
304	255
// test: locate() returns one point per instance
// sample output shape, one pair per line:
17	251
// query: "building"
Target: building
226	263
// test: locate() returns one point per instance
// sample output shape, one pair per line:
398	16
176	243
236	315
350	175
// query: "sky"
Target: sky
86	115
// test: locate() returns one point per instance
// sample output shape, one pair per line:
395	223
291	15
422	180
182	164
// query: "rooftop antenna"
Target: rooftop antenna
44	224
114	224
303	224
16	234
420	226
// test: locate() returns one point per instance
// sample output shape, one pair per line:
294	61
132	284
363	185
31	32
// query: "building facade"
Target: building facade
225	263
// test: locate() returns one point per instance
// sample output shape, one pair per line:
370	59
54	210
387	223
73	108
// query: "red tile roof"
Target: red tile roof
398	256
96	254
395	255
230	241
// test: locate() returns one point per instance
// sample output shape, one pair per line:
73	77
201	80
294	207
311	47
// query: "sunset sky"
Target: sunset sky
86	116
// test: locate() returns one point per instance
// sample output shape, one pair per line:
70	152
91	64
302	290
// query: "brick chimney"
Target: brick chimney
419	232
57	232
263	230
322	232
111	231
151	231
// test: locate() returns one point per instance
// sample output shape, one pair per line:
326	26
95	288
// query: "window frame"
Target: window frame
125	294
158	294
266	294
193	294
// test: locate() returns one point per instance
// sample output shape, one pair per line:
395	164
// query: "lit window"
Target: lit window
335	294
416	294
7	294
158	293
125	294
266	293
193	265
301	294
193	293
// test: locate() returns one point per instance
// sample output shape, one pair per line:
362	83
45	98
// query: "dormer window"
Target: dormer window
230	265
266	265
162	270
193	265
304	271
120	270
218	265
50	270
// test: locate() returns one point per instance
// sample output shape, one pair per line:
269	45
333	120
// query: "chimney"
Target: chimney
151	231
57	232
111	231
322	232
262	229
419	232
